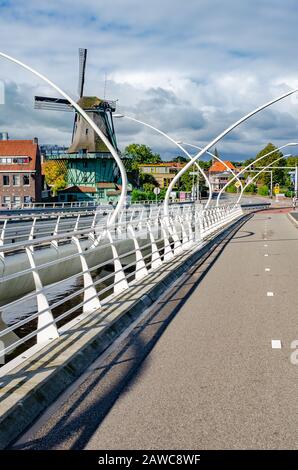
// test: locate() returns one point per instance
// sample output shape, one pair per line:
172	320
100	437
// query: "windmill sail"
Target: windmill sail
53	104
82	69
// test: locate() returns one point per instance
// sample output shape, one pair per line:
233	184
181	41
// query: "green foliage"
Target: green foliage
292	161
251	188
137	154
55	175
147	178
187	180
278	174
263	190
148	187
180	159
138	195
231	189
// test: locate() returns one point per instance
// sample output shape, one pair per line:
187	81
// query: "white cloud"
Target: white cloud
190	67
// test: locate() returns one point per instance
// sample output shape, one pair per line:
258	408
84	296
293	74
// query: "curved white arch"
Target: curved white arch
214	141
174	142
252	163
122	198
217	158
258	174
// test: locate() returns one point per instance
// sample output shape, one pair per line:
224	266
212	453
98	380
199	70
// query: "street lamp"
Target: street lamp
259	172
214	141
252	163
216	157
96	129
117	116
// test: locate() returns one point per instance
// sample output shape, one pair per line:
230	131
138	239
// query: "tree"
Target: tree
278	174
137	154
55	175
187	180
180	159
263	190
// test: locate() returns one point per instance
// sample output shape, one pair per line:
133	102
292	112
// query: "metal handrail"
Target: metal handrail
162	244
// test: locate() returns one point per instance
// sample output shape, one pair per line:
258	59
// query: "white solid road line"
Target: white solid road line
276	343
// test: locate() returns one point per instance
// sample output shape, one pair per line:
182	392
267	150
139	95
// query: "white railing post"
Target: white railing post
91	300
155	256
120	282
46	320
141	270
54	243
168	253
2	238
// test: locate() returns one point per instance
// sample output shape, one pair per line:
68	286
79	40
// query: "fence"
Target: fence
66	275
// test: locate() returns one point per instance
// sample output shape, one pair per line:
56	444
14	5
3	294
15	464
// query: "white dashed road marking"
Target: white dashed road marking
267	270
276	343
270	294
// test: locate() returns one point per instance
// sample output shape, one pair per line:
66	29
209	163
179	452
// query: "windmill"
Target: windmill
84	139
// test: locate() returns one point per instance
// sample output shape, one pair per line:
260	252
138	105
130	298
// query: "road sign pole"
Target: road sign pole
271	184
296	181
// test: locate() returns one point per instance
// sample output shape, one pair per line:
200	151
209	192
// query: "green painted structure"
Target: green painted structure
92	173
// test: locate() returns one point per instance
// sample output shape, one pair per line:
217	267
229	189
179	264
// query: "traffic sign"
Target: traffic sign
237	184
156	191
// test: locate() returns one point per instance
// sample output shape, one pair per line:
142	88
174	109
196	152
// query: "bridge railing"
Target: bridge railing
61	279
16	229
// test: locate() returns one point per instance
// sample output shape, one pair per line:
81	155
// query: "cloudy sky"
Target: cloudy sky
189	67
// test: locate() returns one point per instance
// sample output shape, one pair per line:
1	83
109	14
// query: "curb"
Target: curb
292	219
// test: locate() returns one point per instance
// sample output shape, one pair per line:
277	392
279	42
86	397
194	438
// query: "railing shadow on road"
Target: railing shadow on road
247	234
75	421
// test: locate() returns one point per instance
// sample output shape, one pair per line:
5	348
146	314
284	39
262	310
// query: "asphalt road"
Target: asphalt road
200	372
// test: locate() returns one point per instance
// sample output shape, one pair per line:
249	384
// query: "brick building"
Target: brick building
20	171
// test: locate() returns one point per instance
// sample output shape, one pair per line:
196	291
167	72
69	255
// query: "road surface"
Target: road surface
200	372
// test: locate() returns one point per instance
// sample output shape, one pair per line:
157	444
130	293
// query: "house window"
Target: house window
27	199
17	200
101	193
26	181
87	131
6	200
5	180
16	180
85	164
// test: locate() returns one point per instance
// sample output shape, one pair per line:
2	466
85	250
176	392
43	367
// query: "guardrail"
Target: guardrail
73	274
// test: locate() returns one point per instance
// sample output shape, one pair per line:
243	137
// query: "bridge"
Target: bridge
76	300
202	367
148	326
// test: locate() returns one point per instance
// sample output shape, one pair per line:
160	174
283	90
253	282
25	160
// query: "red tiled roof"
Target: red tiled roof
19	148
218	167
106	185
79	189
171	164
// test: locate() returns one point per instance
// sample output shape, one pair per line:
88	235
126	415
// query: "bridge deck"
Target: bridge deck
212	380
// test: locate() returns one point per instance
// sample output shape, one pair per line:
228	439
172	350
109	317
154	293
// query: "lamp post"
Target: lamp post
216	157
258	174
96	129
214	141
252	163
174	142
